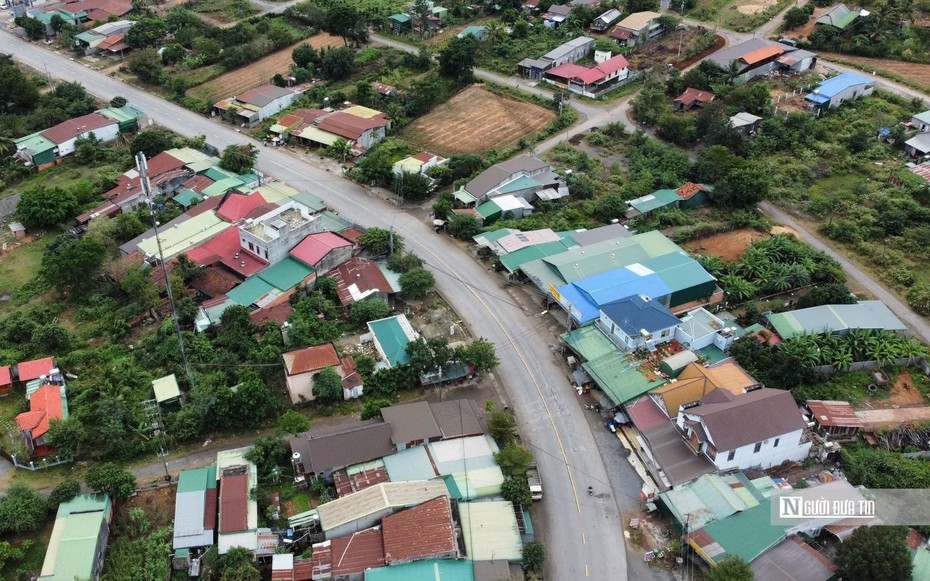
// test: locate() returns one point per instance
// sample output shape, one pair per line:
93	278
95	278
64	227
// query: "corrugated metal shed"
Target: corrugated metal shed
286	274
410	464
250	291
490	531
166	388
392	335
79	525
836	319
436	570
388	495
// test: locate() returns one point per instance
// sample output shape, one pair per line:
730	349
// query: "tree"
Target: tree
41	207
236	565
463	227
379	241
421	11
152	142
327	386
267	454
339	149
650	105
66	436
22	510
480	353
741	188
63	492
503	426
413	186
239	159
795	18
146	64
369	309
404	262
514	460
305	56
293	422
534	557
827	294
146	32
457	60
337	64
72	265
517	491
731	568
918	297
876	553
345	21
417	283
33	28
464	165
118	102
108	478
425	93
373	408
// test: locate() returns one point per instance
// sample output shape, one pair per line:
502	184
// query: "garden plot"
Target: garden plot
475	121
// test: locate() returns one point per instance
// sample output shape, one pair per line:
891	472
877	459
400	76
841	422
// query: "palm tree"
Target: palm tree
778	280
732	72
496	32
755	266
912	350
798	276
712	264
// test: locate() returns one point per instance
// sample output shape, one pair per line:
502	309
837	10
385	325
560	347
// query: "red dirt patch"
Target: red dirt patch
729	246
903	394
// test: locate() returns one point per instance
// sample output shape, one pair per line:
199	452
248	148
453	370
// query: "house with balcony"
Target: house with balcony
637	322
271	236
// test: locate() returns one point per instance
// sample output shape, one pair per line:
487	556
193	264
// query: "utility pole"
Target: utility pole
143	167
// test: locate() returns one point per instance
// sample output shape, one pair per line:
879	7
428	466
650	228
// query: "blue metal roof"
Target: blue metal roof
589	294
835	85
633	314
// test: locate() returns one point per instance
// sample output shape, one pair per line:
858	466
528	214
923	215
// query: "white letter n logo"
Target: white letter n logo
789	507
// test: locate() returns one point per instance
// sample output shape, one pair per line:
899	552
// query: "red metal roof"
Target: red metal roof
234	503
44	405
761	54
29	370
361	273
112	42
237	206
351	378
315	247
646	414
74	127
834	413
356	553
352	235
224	248
279	313
197	183
350	126
215	282
160	164
261	210
691	95
104	209
5	376
426	157
421	532
205	206
620	33
209	514
311	359
382	88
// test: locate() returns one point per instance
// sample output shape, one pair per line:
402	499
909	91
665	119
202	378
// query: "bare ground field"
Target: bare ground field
474	121
261	71
916	72
729	246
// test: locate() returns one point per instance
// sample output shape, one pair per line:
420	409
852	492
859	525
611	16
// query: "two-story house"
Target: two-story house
761	428
270	237
638	323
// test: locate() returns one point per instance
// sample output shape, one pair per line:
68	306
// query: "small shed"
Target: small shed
441	13
400	22
693	195
18	229
166	389
673	364
836	419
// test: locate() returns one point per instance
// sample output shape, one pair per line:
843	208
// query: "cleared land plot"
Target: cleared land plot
474	121
223	11
730	246
665	49
915	72
261	71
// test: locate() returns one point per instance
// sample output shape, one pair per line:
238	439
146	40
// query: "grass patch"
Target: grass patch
726	13
20	265
230	9
301	502
829	185
63	175
851	387
891	75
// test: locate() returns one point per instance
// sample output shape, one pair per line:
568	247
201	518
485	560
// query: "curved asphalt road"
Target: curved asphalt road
583	534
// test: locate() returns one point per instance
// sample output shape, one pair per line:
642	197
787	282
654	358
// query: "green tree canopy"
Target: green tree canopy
338	63
293	422
110	479
457	60
373	408
404	262
63	492
463	227
534	557
146	64
267	454
741	188
33	28
876	553
517	490
153	141
417	283
146	32
239	159
41	207
378	241
514	460
327	386
22	510
502	426
369	309
72	265
731	568
481	354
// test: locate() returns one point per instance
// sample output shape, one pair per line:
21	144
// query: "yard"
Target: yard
19	265
916	73
261	71
739	15
474	121
221	12
678	47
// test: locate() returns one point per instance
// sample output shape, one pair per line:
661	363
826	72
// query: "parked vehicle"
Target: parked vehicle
535	482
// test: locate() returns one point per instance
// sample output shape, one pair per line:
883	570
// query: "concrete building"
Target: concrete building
79	539
302	365
256	105
490	531
758	56
835	91
322	452
570	52
272	236
323	251
637	323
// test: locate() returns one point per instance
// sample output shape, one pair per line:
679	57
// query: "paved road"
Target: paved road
917	324
583	534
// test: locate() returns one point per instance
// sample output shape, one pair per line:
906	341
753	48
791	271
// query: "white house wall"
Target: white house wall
105	134
851	93
789	448
300	385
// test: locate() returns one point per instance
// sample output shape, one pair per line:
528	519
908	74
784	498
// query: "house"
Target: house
48	402
760	428
502	208
523	176
697	381
323	251
794	559
921	121
839	17
360	510
423	532
839	319
400	22
256	105
693	195
490	531
637	28
583	299
599	234
637	322
236	207
79	539
478	32
645	205
419	163
44	148
272	236
918	146
352	384
237	521
360	278
303	364
411	424
746	123
607	72
556	15
28	371
714	497
383	90
835	419
603	22
348	557
835	91
106	37
321	452
362	127
391	336
692	98
758	56
195	510
570	52
461	570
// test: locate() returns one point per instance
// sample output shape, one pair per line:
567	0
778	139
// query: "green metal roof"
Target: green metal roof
590	342
35	143
73	543
122	114
846	20
707	499
314	203
89	36
494	235
490	531
835	319
463	196
921	565
679	271
187	198
454	492
185	235
197	479
333	222
221	186
746	534
286	274
519	184
445	570
488	209
401	18
252	289
619	378
515	260
610	254
655	200
277	192
217	173
393	338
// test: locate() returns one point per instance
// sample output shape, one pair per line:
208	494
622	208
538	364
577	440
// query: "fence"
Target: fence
41	465
873	365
